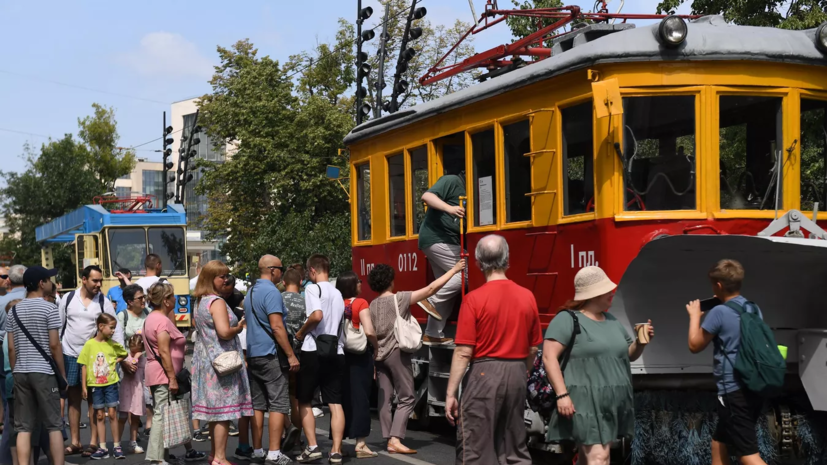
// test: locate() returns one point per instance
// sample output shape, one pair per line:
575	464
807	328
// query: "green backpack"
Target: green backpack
759	364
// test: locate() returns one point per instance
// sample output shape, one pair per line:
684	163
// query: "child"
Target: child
132	392
99	358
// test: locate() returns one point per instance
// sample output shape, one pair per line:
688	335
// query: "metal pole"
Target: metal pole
358	60
404	45
187	159
165	171
380	83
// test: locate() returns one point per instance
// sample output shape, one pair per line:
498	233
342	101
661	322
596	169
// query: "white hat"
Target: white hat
591	282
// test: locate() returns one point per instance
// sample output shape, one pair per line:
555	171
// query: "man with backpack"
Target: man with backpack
742	342
78	313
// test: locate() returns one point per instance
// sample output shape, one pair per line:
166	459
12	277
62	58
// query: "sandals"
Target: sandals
89	450
362	454
73	449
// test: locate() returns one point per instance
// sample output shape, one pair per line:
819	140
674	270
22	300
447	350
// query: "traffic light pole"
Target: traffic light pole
186	159
380	81
164	159
358	60
394	106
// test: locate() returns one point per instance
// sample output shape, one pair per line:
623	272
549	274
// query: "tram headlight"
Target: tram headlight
182	301
672	31
821	38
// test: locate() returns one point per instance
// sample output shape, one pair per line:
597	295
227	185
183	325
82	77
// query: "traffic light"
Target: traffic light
406	54
167	154
362	66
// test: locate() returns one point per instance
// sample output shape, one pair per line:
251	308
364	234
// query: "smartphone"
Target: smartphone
709	304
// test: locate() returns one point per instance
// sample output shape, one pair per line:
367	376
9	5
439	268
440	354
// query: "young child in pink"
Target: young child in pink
132	391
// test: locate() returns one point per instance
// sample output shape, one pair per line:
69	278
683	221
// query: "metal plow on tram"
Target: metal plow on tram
674	389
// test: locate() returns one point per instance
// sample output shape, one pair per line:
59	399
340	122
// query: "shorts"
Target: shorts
268	385
738	413
105	396
36	400
320	372
73	370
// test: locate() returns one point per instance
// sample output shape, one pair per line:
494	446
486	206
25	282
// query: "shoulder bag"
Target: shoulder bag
408	333
355	340
227	362
182	377
61	381
284	363
327	345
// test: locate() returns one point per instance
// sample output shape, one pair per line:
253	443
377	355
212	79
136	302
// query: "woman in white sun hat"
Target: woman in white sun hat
595	403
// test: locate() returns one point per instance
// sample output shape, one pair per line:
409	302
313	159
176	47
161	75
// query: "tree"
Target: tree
524	26
64	175
799	14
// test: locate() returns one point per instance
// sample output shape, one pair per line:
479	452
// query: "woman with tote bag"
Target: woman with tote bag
389	315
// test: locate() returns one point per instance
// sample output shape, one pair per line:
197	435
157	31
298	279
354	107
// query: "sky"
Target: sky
139	57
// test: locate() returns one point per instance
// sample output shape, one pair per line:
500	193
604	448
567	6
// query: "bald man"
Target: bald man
267	343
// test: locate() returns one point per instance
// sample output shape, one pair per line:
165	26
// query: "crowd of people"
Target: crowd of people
294	335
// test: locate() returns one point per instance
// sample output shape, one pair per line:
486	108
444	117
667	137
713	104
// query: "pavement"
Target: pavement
434	446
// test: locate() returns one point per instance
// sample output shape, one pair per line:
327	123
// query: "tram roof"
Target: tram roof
708	38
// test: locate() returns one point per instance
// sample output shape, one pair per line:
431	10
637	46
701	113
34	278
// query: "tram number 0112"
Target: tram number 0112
407	262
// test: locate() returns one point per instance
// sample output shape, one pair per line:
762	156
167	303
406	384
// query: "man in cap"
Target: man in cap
37	397
499	329
115	294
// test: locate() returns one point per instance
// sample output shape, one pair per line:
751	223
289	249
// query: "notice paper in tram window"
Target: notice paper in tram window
486	201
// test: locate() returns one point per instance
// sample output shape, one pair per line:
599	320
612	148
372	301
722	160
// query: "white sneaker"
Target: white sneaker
258	457
136	449
317	412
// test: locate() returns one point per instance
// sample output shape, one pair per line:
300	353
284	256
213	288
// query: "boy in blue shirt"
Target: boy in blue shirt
738	408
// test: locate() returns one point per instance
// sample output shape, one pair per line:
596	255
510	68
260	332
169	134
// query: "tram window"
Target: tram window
127	249
485	178
168	243
813	154
517	171
659	152
419	184
363	202
578	159
396	197
750	134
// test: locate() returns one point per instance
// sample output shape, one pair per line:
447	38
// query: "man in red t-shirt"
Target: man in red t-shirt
499	330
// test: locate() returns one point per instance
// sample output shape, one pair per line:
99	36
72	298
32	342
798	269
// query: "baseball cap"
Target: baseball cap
36	274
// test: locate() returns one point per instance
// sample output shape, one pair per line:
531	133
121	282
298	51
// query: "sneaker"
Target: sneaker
436	341
282	460
136	449
199	437
334	458
233	430
194	456
309	456
317	412
82	425
119	453
429	309
146	431
100	454
257	458
243	454
292	436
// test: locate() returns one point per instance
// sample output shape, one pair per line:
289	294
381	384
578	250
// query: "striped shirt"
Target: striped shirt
39	317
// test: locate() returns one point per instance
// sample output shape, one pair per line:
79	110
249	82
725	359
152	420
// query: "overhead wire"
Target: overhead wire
51	81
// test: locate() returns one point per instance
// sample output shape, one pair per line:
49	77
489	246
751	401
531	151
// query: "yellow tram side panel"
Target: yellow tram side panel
541	102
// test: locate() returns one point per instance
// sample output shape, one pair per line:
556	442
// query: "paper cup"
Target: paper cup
783	350
642	330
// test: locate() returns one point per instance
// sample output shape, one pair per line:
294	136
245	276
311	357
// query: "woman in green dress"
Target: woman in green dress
595	404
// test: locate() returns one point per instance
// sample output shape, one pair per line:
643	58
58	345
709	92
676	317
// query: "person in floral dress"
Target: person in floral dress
217	400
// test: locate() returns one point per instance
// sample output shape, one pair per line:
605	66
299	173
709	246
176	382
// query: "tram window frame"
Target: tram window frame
472	210
416	204
782	112
626	200
522	185
585	215
359	206
389	196
804	204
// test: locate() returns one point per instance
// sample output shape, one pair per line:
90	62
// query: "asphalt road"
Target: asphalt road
434	447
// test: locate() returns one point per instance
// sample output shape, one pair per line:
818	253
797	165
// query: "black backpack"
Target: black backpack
540	393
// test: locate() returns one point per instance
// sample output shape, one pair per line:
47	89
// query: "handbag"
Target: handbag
228	363
176	424
327	345
284	363
62	384
182	377
355	340
408	333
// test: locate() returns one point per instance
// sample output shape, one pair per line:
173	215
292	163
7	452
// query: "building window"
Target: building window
419	184
659	152
750	135
363	202
123	192
517	171
485	177
578	159
396	195
153	184
813	154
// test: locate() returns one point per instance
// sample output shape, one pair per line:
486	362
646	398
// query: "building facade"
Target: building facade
147	178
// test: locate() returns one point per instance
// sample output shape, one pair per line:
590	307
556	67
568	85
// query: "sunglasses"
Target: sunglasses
4	276
280	268
143	297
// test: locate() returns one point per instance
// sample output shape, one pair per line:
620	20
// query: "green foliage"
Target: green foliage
64	175
523	26
799	14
